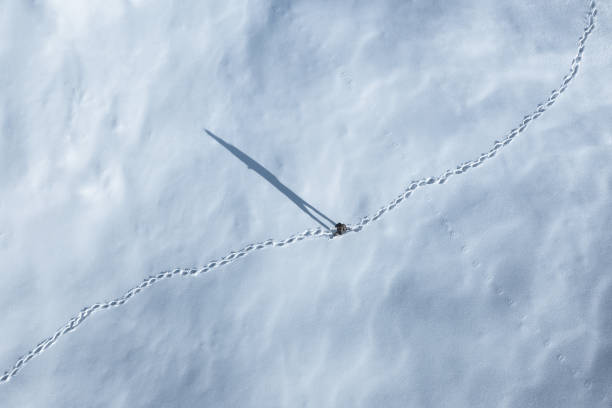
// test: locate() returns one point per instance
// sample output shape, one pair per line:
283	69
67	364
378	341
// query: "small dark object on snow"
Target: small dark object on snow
340	229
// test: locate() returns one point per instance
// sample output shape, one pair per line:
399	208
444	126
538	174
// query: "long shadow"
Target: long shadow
271	178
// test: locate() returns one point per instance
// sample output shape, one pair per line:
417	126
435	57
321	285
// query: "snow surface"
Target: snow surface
493	289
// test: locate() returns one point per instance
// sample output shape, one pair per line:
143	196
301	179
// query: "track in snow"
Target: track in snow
86	312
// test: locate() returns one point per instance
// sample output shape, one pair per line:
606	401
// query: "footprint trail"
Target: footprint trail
315	233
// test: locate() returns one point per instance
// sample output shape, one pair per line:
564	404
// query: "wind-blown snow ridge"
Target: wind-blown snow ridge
76	321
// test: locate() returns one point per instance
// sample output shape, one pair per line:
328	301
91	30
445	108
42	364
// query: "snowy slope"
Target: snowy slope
492	289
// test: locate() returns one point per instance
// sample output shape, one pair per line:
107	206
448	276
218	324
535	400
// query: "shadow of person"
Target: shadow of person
315	214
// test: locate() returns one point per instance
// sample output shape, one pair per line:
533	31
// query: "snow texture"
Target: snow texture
125	130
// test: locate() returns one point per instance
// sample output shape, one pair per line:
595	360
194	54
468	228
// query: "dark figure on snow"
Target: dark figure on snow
340	229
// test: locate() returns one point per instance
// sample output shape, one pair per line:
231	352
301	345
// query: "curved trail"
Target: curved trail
76	321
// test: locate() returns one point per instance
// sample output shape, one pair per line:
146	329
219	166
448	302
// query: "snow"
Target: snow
492	289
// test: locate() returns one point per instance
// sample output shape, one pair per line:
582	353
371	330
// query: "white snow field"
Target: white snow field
138	137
